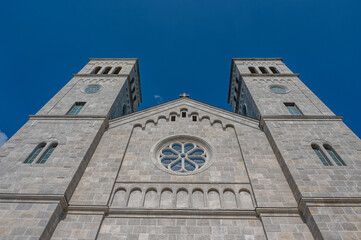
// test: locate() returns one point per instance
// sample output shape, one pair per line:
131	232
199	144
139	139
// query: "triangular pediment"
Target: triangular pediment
193	107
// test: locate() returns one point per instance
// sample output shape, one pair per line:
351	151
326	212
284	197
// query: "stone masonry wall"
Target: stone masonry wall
335	222
181	228
20	220
290	227
293	139
75	226
75	140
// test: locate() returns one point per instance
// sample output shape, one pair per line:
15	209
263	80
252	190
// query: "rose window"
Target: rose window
183	157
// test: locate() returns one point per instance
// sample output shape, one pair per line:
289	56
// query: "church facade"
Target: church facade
88	165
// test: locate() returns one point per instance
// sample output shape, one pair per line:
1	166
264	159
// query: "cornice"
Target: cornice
270	75
68	117
257	59
34	198
298	118
276	210
100	75
112	59
141	212
158	212
305	203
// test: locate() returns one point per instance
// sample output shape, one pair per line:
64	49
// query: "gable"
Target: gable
202	111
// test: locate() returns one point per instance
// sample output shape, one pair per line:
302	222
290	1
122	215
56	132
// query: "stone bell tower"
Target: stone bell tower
319	155
43	162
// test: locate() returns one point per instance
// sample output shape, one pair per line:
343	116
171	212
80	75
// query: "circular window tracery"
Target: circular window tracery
183	156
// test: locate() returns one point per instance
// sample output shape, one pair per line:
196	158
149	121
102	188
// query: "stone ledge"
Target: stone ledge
303	117
156	212
297	118
329	202
258	59
100	75
77	117
272	211
31	198
270	75
113	59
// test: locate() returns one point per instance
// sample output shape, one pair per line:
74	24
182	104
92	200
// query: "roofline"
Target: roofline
179	100
110	59
138	73
258	59
230	82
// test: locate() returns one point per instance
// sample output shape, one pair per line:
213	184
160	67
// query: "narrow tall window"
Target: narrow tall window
47	153
252	70
293	109
75	109
184	114
116	70
35	153
325	161
194	118
263	70
244	110
172	118
96	70
124	110
132	81
106	70
134	98
335	157
274	70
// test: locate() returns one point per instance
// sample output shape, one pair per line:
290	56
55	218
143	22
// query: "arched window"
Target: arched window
325	161
116	70
335	157
106	70
47	153
274	70
124	110
35	153
252	70
96	70
244	110
263	70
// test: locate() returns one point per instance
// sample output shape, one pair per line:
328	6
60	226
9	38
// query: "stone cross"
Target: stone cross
184	95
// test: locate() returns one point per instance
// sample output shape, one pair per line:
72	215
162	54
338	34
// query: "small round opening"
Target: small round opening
92	89
278	89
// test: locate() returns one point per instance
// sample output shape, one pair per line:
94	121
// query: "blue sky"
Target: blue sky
182	46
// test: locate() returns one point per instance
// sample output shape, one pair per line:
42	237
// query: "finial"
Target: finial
184	95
